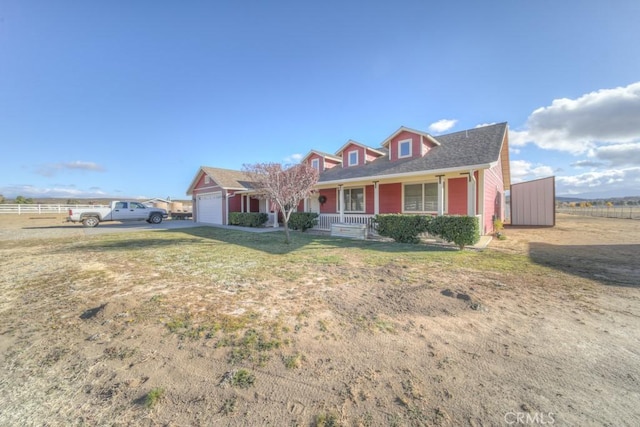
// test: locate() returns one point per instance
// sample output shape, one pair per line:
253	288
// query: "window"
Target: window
207	179
315	163
404	148
421	197
135	205
353	158
353	200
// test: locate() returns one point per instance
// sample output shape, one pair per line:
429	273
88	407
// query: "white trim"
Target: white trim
349	153
351	141
405	141
317	162
404	128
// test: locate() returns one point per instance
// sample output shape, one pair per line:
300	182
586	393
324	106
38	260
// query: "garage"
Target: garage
209	208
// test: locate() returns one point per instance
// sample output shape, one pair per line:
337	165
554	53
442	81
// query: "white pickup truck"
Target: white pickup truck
117	211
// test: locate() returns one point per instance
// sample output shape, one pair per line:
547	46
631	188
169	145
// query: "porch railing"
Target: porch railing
325	220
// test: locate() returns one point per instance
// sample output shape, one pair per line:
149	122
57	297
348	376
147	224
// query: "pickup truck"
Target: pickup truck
117	211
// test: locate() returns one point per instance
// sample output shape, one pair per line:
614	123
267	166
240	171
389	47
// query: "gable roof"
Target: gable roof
351	141
227	179
471	149
321	154
417	132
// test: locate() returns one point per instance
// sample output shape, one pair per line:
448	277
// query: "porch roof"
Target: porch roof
459	150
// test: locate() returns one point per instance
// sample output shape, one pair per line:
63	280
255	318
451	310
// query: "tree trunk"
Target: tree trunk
285	221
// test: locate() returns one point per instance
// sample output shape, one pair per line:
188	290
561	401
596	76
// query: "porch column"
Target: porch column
306	204
376	198
440	195
341	203
248	203
242	203
471	194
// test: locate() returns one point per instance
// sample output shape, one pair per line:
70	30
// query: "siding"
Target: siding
368	199
457	196
533	202
330	205
493	196
390	198
345	155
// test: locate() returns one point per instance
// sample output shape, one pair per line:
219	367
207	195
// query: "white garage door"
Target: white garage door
210	208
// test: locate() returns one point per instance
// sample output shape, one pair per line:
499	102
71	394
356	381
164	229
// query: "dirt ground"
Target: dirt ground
540	328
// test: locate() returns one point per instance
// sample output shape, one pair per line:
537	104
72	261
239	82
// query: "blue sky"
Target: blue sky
129	98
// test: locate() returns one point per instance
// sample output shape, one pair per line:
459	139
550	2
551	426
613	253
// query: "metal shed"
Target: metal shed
533	202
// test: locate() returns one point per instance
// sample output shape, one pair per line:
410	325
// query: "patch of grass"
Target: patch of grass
322	325
326	420
242	378
385	326
229	405
153	397
119	352
294	361
253	347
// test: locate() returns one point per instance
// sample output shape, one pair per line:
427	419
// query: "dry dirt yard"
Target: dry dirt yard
207	326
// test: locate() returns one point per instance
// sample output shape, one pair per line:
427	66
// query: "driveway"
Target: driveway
23	227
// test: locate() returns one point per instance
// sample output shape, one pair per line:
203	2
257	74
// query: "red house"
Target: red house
412	172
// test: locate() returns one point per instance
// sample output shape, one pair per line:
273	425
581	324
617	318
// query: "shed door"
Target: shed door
210	208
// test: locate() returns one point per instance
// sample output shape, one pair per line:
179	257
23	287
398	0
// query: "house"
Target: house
412	172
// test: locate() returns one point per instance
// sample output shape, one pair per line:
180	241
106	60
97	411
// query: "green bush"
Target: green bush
461	230
402	228
248	219
303	220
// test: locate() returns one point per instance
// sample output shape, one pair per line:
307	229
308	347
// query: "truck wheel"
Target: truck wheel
90	221
155	219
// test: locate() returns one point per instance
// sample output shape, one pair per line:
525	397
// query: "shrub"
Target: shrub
153	397
248	219
303	220
402	228
461	230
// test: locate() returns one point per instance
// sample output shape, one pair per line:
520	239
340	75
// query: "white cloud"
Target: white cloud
618	154
51	169
59	190
586	164
481	125
294	158
521	170
587	122
609	183
442	125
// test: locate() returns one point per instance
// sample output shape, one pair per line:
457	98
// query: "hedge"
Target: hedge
402	228
303	220
248	219
461	230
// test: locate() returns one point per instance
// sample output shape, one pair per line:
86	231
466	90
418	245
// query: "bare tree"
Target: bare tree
284	186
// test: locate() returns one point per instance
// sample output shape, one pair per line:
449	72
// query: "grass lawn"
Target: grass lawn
209	326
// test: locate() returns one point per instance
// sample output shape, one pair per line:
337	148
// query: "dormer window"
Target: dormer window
207	179
315	163
353	158
404	148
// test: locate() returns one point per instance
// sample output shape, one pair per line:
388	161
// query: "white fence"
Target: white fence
628	212
23	209
325	220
